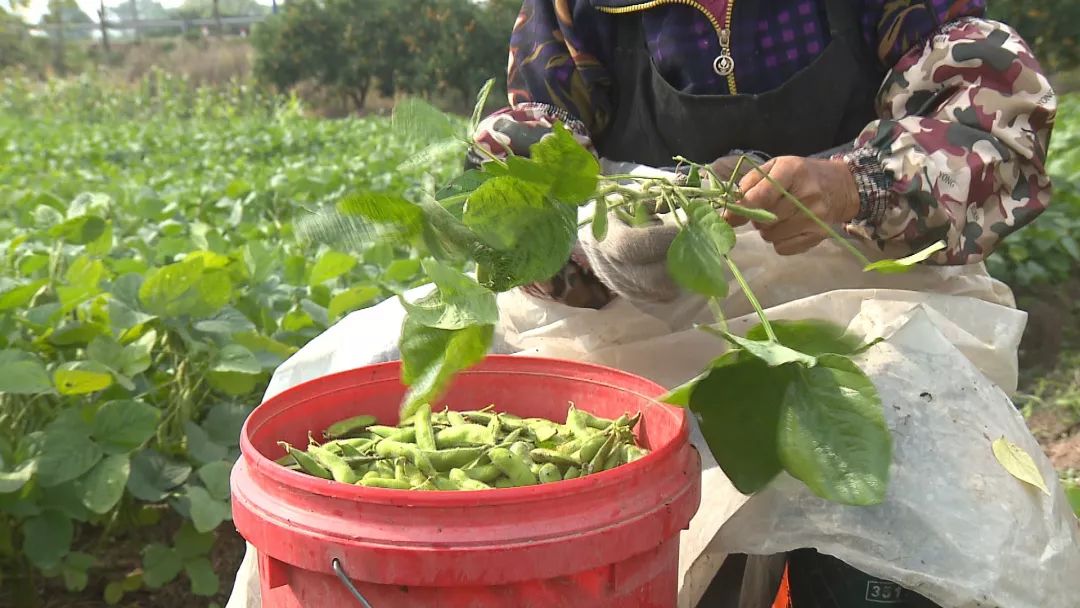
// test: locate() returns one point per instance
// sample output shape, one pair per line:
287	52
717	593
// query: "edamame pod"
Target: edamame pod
504	482
511	438
552	456
455	418
596	464
308	464
388	448
341	428
384	483
407	434
451	458
465	482
513	466
549	473
590	447
521	449
617	457
634	452
463	436
339	469
576	421
572	473
542	430
595	422
425	436
486	473
347	450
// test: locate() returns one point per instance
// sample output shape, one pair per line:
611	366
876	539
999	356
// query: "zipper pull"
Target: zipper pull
724	64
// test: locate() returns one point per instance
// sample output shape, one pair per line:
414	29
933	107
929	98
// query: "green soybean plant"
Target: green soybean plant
785	397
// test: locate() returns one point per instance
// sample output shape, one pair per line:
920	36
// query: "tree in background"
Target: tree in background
416	47
16	46
1052	27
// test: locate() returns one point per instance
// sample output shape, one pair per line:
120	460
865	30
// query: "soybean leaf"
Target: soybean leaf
528	237
123	318
191	544
186	288
416	119
1019	463
503	211
1072	492
227	321
200	447
79	230
13	481
833	435
82	377
215	476
384	210
74	570
160	564
18	296
206	512
331	265
224	421
434	154
811	337
47	538
66	453
481	103
67	499
22	373
571	169
137	355
466	182
445	235
125	424
904	264
401	270
430	357
680	395
237	359
738	405
103	486
695	259
105	350
153	475
204	581
114	592
233	383
350	300
459	301
772	353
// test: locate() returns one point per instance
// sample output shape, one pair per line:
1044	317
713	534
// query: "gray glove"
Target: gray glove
632	262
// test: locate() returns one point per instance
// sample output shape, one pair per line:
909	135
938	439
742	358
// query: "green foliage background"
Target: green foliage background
151	282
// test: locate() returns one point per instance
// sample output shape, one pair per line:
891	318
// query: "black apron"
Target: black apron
823	107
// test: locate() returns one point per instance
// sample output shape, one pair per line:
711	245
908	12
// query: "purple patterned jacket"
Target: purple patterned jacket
968	168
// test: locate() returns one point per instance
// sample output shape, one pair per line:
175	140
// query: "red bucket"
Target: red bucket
606	540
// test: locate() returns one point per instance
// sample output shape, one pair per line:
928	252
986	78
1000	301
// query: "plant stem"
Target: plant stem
813	217
485	152
751	297
718	313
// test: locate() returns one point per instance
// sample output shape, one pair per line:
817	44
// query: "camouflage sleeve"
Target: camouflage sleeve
556	73
959	152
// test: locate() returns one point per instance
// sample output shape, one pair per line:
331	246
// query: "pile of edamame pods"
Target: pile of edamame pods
466	450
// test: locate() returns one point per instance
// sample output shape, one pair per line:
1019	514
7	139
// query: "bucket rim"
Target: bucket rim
495	365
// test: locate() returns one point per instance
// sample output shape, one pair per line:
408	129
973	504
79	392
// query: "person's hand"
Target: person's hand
736	165
825	187
632	261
